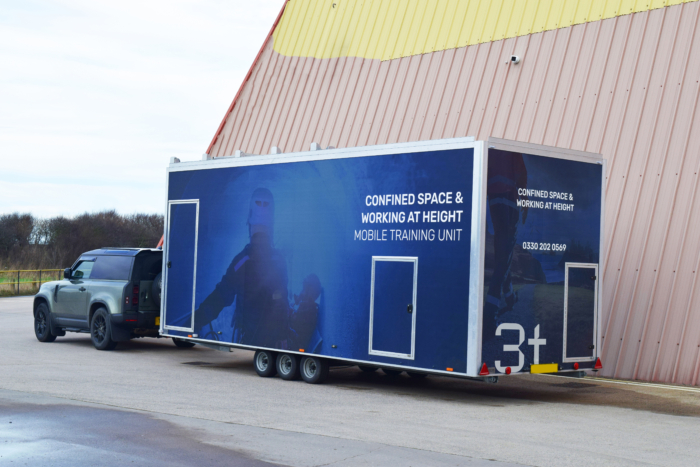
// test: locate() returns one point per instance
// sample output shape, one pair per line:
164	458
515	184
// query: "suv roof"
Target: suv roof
119	251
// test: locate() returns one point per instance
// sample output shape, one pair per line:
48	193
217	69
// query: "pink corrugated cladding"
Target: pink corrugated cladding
625	87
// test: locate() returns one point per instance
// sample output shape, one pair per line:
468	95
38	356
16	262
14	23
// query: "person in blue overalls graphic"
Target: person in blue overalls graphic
257	280
506	173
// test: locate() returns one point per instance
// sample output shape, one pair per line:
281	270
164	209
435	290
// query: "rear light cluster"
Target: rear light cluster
484	370
134	296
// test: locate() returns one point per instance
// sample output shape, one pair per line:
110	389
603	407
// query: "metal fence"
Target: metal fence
13	280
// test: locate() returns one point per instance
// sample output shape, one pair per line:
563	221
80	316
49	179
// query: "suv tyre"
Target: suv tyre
42	325
156	287
101	330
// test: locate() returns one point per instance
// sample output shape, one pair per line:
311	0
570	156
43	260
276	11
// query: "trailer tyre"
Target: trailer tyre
265	363
183	344
101	330
288	366
415	375
314	370
42	326
368	369
390	372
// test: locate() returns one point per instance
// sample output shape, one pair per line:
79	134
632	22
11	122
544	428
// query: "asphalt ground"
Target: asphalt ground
151	403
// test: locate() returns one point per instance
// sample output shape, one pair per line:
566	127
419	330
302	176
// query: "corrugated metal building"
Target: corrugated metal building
616	77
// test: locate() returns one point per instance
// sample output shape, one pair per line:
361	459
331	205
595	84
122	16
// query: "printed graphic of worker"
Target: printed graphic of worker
506	173
257	280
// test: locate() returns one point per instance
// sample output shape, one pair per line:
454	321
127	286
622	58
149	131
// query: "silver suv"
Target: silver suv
112	293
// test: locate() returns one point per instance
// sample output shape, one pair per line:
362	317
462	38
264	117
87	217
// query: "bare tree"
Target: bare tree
27	242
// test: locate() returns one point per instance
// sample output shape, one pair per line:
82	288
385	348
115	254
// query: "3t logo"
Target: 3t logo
536	342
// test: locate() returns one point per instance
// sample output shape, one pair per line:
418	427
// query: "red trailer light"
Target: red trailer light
576	366
508	370
598	364
484	370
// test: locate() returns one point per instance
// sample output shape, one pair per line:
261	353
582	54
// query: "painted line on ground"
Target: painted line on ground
633	383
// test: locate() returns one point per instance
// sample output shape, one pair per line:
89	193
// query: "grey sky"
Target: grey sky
96	96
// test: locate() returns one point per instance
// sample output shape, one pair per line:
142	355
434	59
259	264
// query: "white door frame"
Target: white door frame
566	311
383	353
167	259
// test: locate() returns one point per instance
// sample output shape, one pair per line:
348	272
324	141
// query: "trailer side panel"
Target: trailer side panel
361	258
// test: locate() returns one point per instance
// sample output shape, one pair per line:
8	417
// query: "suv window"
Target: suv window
114	268
82	270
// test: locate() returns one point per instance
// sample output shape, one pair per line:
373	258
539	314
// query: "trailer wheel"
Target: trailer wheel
288	366
264	362
314	370
415	375
183	344
390	372
368	369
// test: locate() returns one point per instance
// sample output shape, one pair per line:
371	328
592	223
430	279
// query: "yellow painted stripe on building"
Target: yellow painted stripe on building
388	29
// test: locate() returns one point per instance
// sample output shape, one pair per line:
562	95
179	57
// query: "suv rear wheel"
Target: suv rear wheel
42	327
101	330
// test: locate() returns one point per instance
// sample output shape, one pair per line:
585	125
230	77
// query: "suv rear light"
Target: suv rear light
135	293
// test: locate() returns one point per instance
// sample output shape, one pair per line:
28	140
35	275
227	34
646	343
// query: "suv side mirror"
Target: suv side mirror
66	273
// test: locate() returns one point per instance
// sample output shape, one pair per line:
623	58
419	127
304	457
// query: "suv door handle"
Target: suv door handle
82	289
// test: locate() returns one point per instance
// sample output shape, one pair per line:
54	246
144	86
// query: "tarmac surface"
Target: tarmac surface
151	403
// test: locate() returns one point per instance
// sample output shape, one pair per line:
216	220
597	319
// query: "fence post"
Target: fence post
18	282
39	278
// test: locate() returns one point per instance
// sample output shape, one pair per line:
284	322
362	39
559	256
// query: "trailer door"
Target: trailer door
392	327
181	265
580	311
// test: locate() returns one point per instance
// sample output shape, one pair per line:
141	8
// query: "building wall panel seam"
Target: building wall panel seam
649	307
636	196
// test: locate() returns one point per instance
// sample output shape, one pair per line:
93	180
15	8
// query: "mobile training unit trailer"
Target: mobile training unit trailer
459	257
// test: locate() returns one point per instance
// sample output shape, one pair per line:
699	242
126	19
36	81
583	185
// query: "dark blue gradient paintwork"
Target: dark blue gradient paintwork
318	207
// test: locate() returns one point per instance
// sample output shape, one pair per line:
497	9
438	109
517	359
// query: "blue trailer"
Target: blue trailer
454	257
